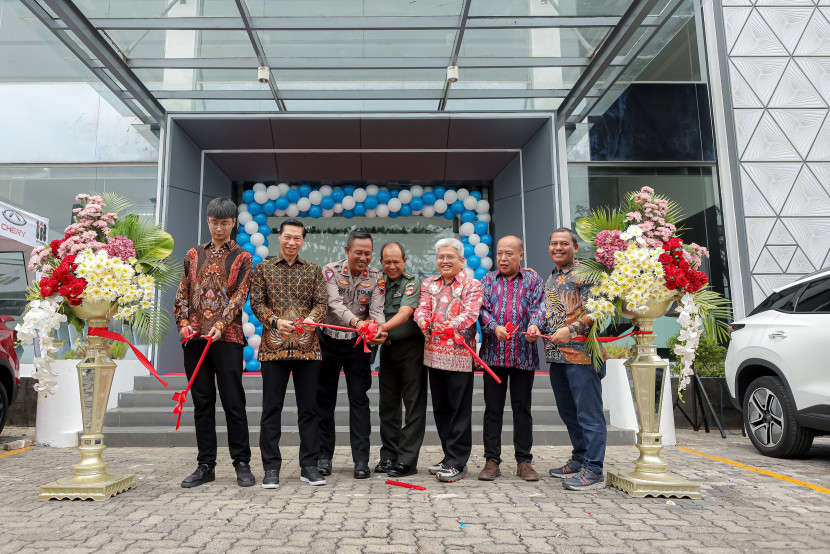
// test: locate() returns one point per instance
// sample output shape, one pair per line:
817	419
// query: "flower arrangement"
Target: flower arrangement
639	260
101	258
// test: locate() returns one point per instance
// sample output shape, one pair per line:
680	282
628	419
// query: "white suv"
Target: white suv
778	367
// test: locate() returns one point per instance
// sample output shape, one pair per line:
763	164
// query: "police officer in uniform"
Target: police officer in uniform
355	295
402	375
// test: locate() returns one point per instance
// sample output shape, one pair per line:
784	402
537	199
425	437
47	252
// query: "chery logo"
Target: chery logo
14	217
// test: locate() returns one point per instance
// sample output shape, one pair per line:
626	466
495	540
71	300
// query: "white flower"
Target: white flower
689	337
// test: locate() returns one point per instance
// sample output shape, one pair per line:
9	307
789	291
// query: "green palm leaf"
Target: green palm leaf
716	311
601	219
591	270
151	325
114	202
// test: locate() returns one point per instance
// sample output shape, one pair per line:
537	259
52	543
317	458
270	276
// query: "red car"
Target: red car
9	370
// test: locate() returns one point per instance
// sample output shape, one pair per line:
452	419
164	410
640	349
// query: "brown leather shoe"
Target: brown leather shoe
490	471
526	471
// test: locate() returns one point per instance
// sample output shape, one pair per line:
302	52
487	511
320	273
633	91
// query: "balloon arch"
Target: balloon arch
349	201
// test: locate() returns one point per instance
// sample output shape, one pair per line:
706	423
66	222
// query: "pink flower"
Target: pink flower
608	243
120	247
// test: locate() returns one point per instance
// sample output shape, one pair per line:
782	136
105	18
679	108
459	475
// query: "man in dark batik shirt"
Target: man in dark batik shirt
214	286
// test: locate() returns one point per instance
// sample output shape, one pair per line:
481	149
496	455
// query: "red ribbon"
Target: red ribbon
405	485
511	329
181	397
449	334
366	333
599	339
101	332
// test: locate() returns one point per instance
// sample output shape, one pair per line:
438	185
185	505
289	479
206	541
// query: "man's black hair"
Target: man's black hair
574	236
358	234
221	208
399	245
293	223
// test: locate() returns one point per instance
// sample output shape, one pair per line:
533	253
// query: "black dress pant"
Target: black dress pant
224	362
452	405
402	377
274	384
521	388
344	355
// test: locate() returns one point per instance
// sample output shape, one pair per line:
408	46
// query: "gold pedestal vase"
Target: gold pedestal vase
95	373
650	477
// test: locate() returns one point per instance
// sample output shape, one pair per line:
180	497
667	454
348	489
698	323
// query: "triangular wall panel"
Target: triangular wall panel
769	143
800	126
773	180
780	235
800	263
757	231
812	235
782	255
787	23
757	39
795	91
817	71
734	19
807	197
745	123
820	152
742	94
762	74
816	38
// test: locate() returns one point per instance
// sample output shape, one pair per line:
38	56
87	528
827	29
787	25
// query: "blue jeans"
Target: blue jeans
578	394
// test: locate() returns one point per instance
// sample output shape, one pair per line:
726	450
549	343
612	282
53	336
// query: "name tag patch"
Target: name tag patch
410	289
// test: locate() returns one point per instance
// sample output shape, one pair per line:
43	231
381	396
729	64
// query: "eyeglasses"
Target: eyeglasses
218	224
447	258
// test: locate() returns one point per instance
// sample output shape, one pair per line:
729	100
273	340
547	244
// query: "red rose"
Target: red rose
70	259
75	301
66	278
78	286
64	290
46	292
53	282
54	245
682	282
684	265
664	258
670	285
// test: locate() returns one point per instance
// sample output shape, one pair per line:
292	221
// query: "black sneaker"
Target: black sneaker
570	469
324	466
203	474
361	470
244	476
312	476
272	479
384	466
585	480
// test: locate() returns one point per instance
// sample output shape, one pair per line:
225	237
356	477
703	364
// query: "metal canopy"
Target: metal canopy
366	55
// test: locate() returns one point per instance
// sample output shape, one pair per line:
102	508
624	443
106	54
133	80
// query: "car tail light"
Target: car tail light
737	326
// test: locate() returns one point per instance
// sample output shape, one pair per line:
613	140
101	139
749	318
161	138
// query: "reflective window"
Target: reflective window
781	301
815	298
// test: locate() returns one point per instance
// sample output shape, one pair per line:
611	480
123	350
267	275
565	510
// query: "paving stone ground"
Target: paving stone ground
741	511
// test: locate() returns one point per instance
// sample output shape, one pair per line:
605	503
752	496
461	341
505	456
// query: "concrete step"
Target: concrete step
153	436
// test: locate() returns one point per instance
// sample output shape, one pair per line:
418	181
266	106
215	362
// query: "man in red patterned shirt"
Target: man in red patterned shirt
214	286
450	300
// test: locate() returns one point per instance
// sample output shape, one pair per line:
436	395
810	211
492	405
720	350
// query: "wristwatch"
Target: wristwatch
574	334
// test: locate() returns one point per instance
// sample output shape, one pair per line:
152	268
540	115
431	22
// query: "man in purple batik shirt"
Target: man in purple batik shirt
512	296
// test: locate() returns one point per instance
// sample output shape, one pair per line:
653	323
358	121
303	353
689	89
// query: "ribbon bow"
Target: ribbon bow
511	329
181	397
366	334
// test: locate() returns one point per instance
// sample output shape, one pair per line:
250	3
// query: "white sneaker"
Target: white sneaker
451	474
433	469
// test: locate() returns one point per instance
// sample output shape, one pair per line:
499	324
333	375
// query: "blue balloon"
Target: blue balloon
481	228
265	230
250	248
338	195
259	329
246	307
269	207
475	194
303	214
305	190
458	207
416	204
469	250
257	259
315	211
439	191
252	365
327	203
293	195
449	215
254	208
349	190
252	319
248	353
383	196
282	203
487	239
265	243
393	215
467	216
406	211
360	209
474	262
348	214
261	218
242	238
394	193
247	196
372	202
429	198
480	273
465	239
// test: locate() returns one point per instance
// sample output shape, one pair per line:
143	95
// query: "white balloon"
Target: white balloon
292	211
262	250
325	190
416	191
440	206
349	202
359	195
394	204
463	194
257	239
273	192
338	208
260	196
404	196
466	229
483	207
283	188
474	239
248	329
483	217
259	186
328	213
482	250
315	197
383	210
254	342
242	208
371	190
304	204
244	317
470	203
371	213
487	263
428	189
244	218
251	227
428	211
450	196
416	212
279	213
